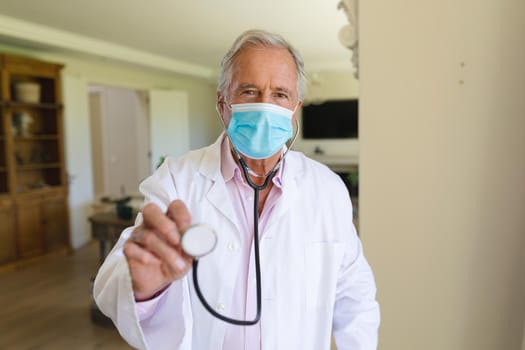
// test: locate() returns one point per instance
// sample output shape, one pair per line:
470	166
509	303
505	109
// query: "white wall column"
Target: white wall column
78	157
442	198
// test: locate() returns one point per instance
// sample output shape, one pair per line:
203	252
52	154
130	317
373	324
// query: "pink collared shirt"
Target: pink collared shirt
244	303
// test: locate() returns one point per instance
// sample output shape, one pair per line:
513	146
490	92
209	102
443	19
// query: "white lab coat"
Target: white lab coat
315	279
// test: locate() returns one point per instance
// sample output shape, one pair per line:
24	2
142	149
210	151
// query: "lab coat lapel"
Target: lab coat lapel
292	171
217	195
217	198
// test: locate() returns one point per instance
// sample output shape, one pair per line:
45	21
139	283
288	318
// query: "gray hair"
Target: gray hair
253	38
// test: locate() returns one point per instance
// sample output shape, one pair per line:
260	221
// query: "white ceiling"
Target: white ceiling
194	32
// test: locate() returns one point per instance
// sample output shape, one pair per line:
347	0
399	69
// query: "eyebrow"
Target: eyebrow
253	86
245	85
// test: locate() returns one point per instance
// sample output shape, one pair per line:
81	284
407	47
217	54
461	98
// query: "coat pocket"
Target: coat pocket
322	263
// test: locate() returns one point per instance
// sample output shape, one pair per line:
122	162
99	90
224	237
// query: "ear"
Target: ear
222	108
297	109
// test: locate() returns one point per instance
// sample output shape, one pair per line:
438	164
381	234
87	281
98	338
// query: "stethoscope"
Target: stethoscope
200	240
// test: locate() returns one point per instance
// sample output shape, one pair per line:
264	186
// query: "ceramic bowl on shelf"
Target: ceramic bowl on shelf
27	91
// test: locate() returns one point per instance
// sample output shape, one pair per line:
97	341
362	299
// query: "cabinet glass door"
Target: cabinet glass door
36	148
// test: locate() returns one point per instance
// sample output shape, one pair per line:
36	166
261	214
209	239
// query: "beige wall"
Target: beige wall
204	126
442	197
330	85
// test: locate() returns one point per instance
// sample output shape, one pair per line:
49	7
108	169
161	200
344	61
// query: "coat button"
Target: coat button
220	307
233	247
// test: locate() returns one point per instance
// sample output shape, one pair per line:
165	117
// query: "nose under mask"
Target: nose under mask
259	130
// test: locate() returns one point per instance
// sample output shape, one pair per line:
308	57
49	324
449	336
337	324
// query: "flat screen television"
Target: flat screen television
335	119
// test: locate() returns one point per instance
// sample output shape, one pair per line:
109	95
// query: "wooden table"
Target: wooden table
106	227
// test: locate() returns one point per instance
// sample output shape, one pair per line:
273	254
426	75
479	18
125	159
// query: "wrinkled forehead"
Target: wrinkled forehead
261	66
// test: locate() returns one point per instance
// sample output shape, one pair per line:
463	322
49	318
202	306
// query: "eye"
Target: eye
248	92
281	95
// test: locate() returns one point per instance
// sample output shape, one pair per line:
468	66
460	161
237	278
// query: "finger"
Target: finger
156	220
141	262
134	251
178	212
168	254
136	234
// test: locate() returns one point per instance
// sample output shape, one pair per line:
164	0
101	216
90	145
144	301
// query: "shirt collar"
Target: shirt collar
230	169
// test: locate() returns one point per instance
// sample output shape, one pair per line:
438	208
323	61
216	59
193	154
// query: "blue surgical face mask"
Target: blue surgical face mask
259	130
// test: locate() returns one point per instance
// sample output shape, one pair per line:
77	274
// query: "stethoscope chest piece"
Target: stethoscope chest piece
198	240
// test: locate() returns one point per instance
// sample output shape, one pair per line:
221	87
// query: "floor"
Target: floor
46	305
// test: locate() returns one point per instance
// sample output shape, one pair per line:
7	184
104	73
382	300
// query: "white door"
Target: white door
78	157
120	139
169	124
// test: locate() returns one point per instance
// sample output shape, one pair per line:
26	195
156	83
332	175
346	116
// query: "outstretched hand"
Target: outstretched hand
153	251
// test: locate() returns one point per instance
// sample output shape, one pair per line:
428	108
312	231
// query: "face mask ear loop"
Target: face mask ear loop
293	139
219	114
226	132
237	154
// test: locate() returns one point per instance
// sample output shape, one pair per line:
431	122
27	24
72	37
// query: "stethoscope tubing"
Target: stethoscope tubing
256	189
198	291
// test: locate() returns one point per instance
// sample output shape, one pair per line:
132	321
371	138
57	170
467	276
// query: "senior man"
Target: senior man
287	263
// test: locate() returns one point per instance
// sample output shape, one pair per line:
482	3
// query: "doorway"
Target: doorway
120	139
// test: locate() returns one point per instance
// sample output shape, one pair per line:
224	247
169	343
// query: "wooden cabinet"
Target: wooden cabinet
54	220
41	219
32	167
29	223
8	250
